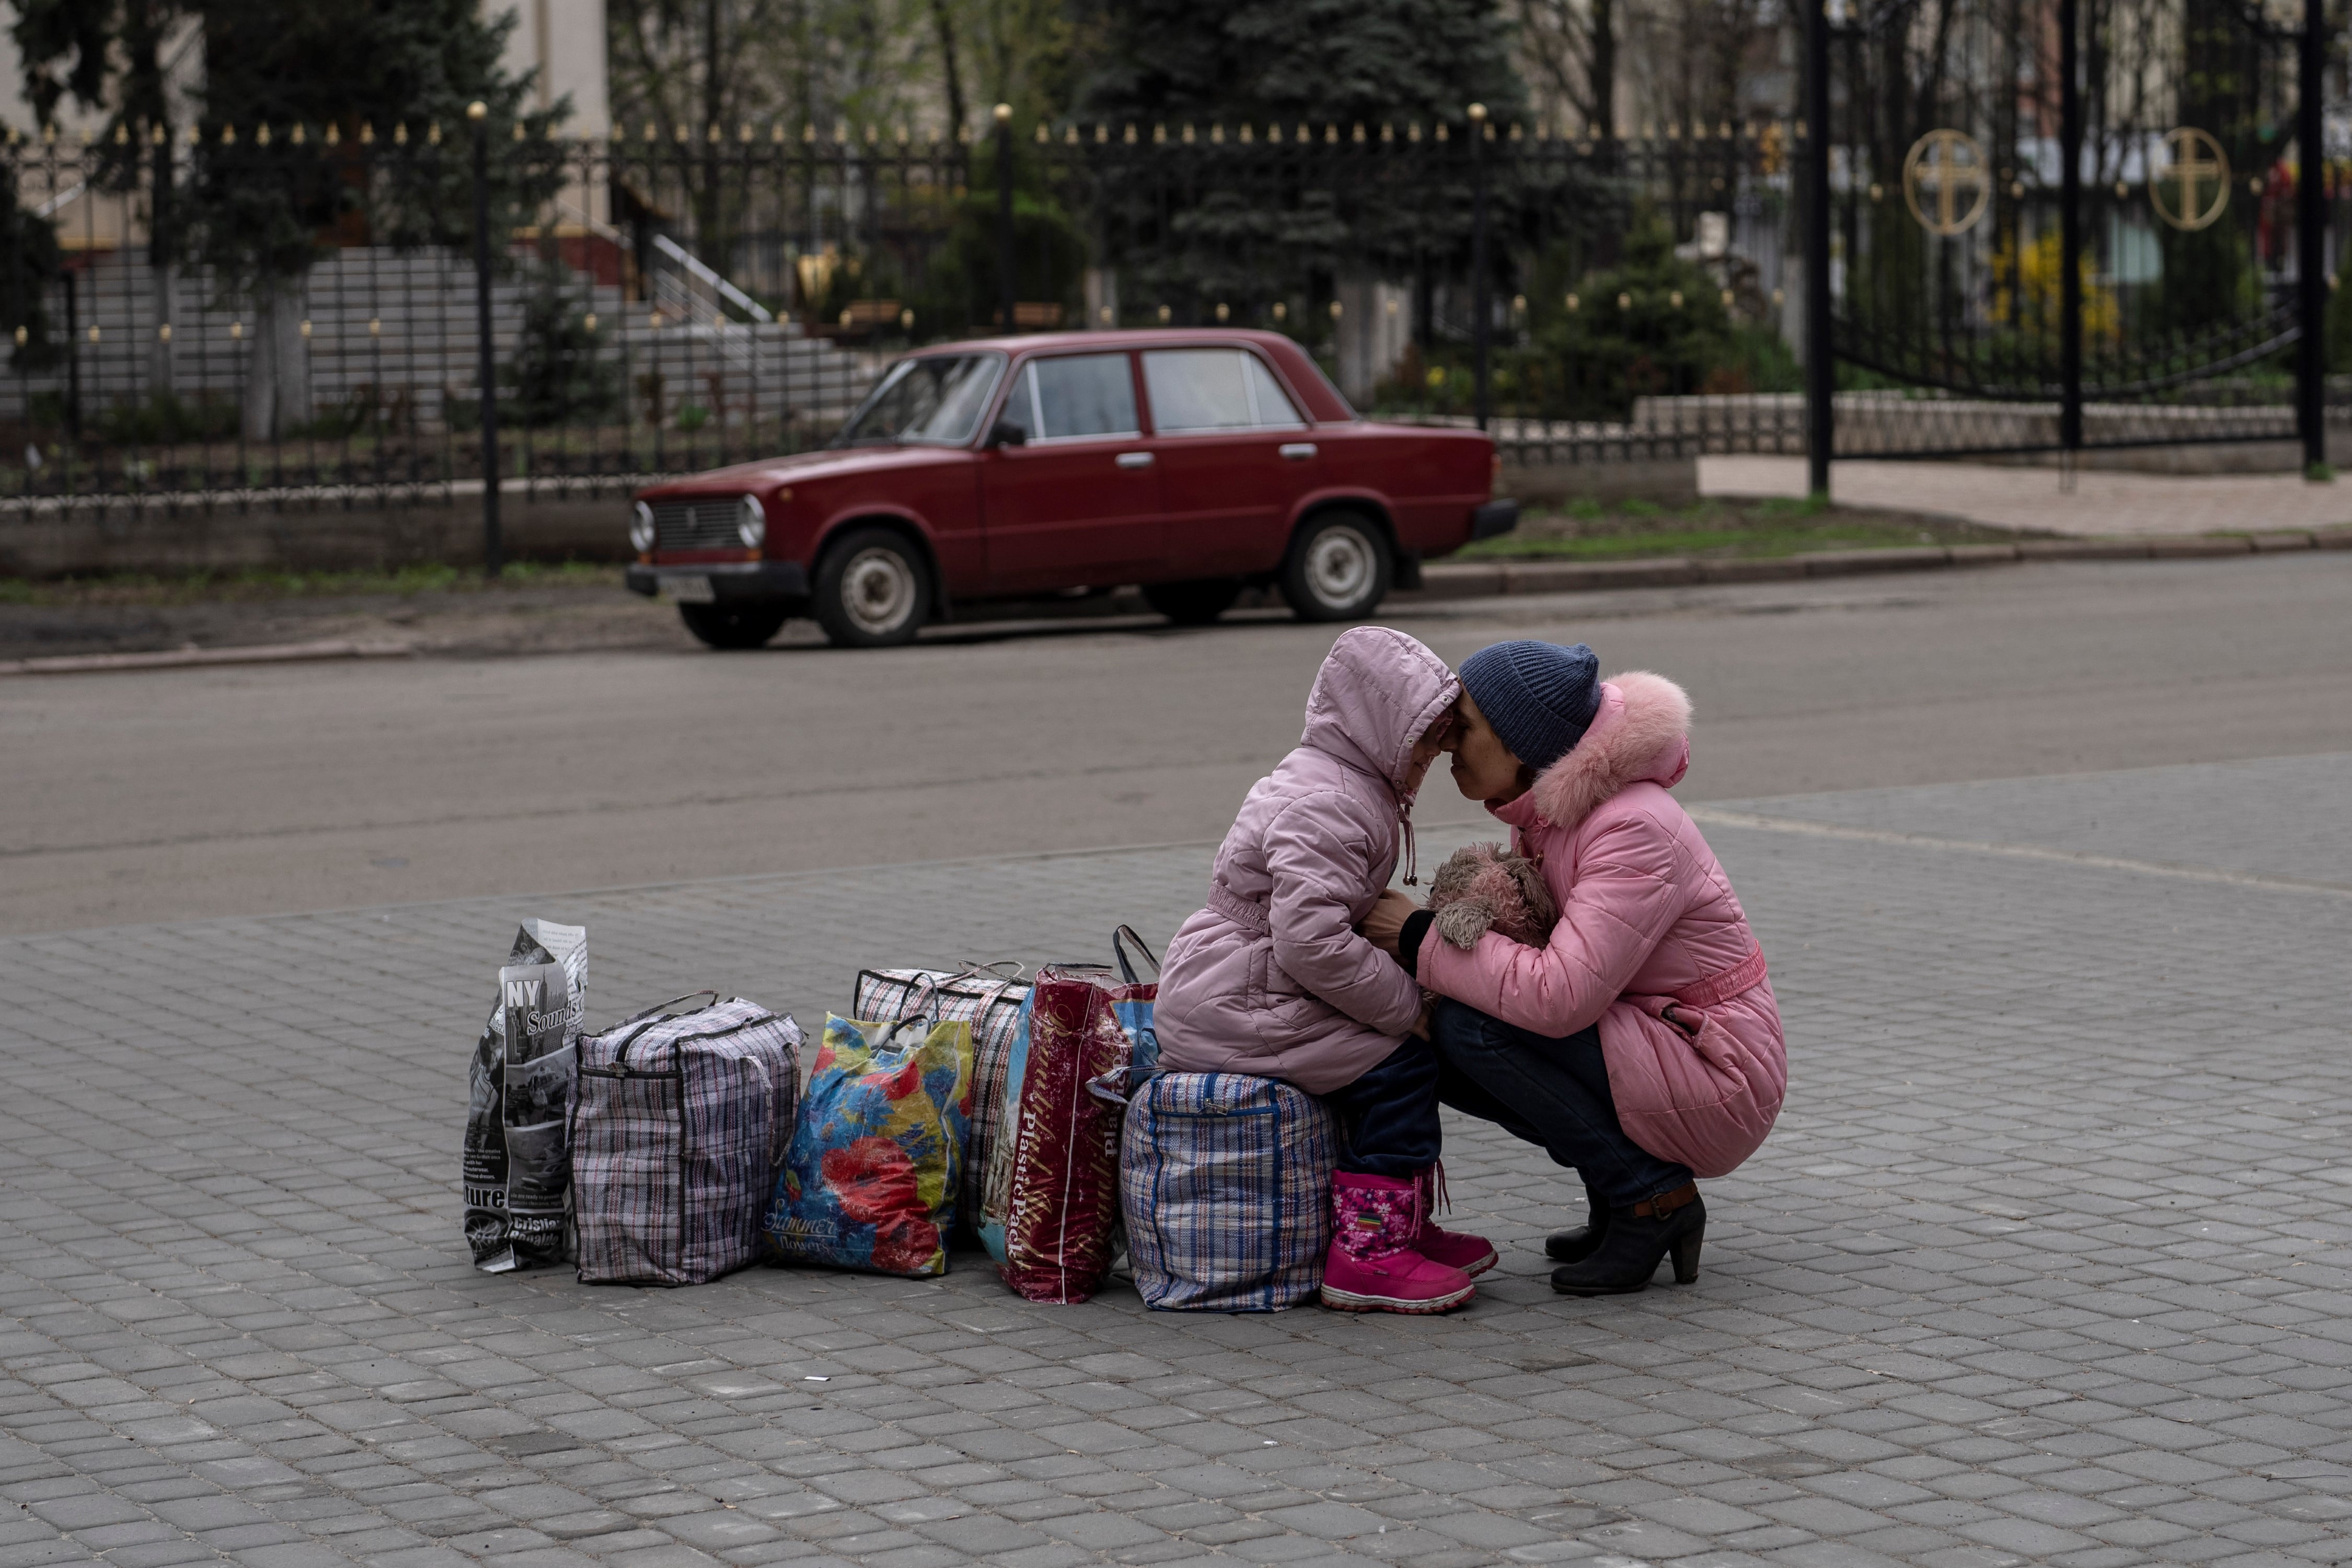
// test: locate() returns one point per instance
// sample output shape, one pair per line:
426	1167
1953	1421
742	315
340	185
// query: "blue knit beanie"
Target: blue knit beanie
1539	697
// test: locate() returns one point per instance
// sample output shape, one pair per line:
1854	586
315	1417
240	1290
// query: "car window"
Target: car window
1196	389
1213	389
1075	396
1268	400
936	399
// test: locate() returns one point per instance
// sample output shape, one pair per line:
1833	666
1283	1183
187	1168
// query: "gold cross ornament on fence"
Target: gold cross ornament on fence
1945	182
2192	189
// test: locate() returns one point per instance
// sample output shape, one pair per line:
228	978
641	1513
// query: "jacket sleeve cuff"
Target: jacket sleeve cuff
1409	940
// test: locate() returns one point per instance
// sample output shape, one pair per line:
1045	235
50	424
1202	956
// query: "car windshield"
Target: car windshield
936	400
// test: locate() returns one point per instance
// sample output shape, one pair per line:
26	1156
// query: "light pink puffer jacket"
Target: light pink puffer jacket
1651	941
1272	978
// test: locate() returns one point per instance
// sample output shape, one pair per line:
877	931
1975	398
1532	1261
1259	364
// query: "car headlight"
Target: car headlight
641	529
753	529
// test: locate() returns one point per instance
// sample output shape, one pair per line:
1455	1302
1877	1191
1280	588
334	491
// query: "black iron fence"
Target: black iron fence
659	302
368	315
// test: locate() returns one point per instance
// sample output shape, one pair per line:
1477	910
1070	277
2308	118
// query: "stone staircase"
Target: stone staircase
399	329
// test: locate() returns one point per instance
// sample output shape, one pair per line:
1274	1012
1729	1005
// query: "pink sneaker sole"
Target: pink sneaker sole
1350	1302
1482	1265
1474	1266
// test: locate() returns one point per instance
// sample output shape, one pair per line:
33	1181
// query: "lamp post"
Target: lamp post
2311	238
1482	309
1820	380
487	371
1004	289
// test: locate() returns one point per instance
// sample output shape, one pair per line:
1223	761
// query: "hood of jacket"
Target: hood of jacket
1377	692
1640	733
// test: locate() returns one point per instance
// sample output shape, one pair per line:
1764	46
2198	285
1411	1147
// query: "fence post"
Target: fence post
1004	289
2311	238
2070	230
493	547
1482	307
1821	380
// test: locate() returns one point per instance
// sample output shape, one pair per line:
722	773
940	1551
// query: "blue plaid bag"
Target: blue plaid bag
678	1126
1226	1184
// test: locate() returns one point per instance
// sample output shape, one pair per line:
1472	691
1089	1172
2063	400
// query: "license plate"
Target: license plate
687	590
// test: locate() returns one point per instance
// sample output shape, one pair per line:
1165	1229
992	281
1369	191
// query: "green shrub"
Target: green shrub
559	373
163	419
1652	325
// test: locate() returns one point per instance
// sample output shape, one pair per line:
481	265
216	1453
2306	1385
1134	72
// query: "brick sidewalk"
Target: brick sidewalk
2045	1263
2101	502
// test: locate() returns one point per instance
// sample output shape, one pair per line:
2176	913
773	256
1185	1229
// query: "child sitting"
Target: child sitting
1273	978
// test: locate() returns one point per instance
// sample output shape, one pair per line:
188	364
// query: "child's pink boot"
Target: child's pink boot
1474	1255
1372	1266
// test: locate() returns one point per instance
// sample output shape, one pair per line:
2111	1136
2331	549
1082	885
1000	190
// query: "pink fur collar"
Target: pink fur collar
1641	732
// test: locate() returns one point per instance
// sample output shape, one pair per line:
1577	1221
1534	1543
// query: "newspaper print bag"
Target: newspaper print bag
518	1165
678	1126
990	999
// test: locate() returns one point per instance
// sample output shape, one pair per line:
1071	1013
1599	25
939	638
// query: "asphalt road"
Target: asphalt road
166	796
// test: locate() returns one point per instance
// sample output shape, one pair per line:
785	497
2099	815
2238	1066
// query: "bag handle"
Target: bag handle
992	969
1118	941
651	1017
665	1006
928	997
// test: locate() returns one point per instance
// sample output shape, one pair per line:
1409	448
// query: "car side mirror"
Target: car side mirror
1007	433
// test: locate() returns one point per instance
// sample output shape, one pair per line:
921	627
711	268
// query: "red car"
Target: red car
1191	462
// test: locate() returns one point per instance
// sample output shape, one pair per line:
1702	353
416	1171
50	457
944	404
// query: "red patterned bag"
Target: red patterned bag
1050	1213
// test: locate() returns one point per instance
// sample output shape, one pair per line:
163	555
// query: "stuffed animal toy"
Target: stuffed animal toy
1486	887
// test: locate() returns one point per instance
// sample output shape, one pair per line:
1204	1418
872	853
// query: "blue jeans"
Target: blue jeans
1552	1091
1391	1113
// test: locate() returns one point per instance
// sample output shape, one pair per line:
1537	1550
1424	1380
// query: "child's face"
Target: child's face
1484	768
1425	750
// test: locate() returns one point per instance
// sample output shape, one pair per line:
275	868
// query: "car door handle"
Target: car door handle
1297	451
1133	460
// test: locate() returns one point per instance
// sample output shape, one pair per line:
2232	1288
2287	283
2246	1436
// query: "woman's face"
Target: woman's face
1484	768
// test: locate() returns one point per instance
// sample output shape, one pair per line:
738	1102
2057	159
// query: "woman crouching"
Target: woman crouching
1641	1044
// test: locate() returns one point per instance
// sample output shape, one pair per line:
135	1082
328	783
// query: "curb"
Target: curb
192	657
1472	580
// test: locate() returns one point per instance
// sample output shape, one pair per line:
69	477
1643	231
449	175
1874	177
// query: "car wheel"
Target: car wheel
1194	604
872	590
733	626
1338	568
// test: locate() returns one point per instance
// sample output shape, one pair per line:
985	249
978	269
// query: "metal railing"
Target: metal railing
656	304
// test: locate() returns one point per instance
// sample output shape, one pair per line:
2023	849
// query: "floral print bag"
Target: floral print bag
876	1157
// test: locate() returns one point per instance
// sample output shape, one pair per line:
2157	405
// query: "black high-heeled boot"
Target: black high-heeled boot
1637	1238
1576	1246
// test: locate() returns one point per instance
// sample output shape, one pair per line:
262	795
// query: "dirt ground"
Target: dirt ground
568	610
550	617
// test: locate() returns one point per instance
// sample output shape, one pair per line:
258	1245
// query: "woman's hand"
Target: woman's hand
1382	926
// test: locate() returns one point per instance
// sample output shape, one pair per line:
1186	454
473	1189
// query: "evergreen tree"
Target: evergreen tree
267	188
1280	225
1321	61
402	71
358	66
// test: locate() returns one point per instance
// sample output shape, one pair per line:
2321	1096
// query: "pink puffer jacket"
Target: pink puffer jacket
1651	941
1272	978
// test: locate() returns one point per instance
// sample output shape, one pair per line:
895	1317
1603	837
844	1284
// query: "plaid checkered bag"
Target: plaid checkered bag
1225	1183
988	1000
677	1127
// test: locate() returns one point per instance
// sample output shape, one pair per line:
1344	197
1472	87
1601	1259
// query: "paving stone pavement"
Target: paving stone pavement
2045	1262
2100	501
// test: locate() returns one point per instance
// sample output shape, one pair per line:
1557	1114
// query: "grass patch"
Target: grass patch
206	587
1585	530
